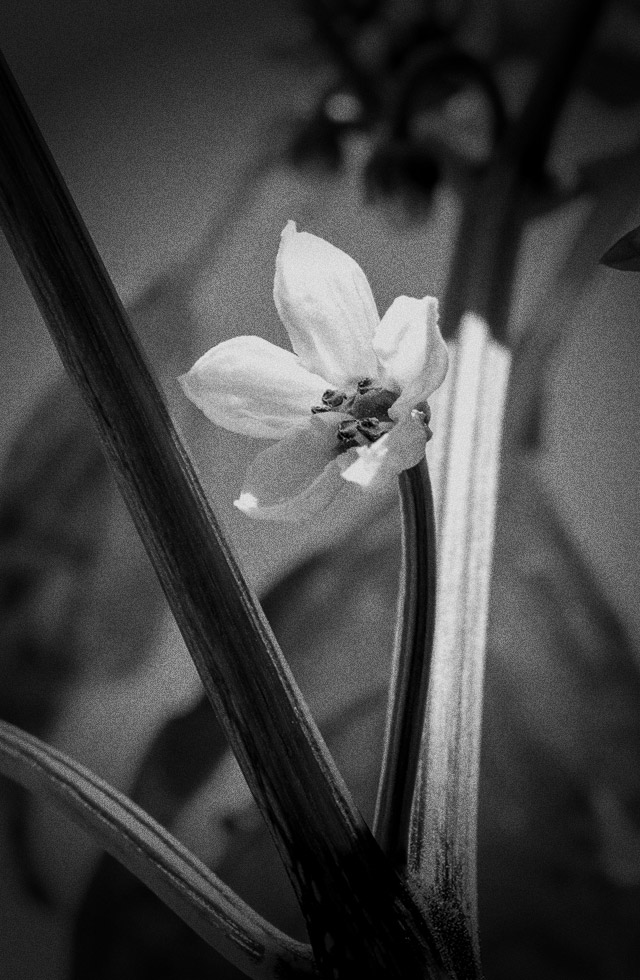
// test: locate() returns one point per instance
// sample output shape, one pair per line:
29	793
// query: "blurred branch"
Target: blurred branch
357	909
495	205
186	885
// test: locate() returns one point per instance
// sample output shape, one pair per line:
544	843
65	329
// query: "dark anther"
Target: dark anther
333	398
347	430
316	409
364	385
372	428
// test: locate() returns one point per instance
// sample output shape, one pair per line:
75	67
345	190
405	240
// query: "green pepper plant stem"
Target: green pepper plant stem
410	666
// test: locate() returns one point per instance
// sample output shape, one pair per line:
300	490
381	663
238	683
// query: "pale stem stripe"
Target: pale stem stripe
440	424
443	841
176	876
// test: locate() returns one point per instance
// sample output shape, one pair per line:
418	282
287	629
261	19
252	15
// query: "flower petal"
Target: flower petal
411	351
250	386
296	478
383	460
325	302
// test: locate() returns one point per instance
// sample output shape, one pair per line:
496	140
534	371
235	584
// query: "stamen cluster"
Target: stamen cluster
367	409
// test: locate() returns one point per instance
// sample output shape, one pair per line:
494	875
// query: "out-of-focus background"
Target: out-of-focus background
173	126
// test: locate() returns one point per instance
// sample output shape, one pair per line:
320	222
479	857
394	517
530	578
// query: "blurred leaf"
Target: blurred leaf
123	929
76	589
54	508
54	502
77	592
625	254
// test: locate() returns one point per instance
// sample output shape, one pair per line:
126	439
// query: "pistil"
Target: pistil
370	401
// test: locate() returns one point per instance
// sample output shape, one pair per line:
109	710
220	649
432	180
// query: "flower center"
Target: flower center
367	411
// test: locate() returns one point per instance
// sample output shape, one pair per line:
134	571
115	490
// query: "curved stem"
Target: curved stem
411	665
175	875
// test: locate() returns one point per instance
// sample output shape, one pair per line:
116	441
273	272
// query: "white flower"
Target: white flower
349	404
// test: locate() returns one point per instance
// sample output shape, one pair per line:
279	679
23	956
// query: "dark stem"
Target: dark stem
360	915
496	202
411	665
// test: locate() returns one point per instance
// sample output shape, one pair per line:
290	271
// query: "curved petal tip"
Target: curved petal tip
246	502
289	230
326	305
411	351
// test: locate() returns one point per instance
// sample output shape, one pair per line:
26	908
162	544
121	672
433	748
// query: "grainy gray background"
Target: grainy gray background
154	112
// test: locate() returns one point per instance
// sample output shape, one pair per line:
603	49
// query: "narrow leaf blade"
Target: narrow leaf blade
212	910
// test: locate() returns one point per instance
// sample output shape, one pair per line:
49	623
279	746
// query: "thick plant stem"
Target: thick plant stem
442	861
360	915
410	667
